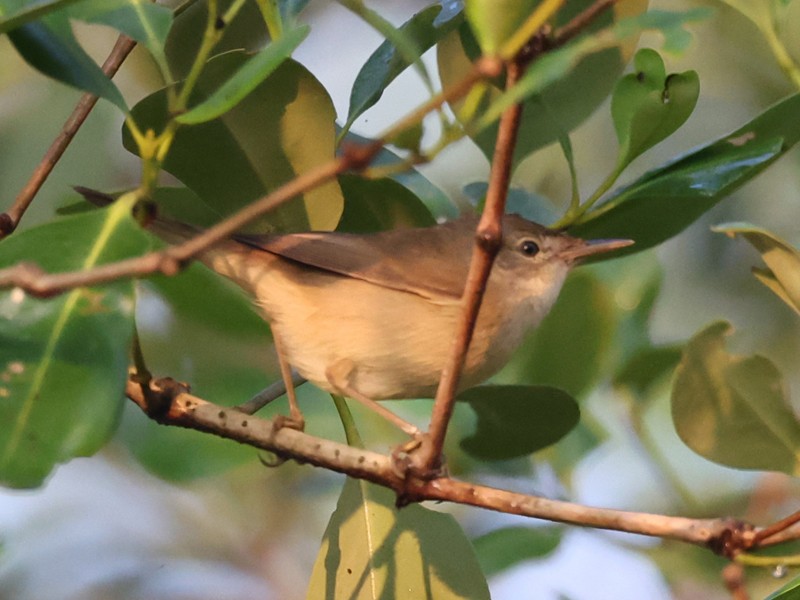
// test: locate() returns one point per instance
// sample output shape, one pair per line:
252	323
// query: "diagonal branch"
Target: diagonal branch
10	219
30	278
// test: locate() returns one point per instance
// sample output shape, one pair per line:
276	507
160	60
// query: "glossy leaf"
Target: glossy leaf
146	22
401	39
257	146
665	201
783	260
50	47
380	204
386	63
64	361
245	79
503	548
373	550
567	350
562	88
516	420
15	13
734	410
649	105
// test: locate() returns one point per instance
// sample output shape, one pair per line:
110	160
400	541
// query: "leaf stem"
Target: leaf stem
348	423
272	17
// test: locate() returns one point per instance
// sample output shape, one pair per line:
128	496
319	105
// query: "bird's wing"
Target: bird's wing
440	258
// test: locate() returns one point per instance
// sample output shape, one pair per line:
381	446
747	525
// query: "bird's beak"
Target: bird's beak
583	248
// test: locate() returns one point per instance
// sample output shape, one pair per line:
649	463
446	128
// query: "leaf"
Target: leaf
648	106
494	21
49	46
373	550
516	420
245	79
503	548
432	197
790	591
425	29
640	372
519	201
561	89
141	20
567	350
665	201
260	144
380	204
16	13
64	361
734	410
783	260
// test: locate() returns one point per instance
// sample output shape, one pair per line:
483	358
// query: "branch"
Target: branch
182	409
488	238
30	278
10	219
169	261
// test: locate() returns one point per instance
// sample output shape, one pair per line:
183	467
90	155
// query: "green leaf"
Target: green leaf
734	410
432	197
516	420
245	79
425	29
373	550
783	260
141	20
50	47
560	90
380	204
503	548
665	201
64	361
257	146
555	65
642	370
519	201
648	105
790	591
495	21
567	350
16	13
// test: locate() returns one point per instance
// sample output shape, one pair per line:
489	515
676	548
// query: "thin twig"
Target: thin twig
776	528
580	22
488	238
32	279
268	394
10	219
185	410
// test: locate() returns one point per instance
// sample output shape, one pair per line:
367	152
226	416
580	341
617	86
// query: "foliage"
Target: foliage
236	117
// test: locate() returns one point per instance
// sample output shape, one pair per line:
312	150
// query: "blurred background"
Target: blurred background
220	525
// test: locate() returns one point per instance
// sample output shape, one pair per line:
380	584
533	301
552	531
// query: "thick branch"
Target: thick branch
10	219
189	411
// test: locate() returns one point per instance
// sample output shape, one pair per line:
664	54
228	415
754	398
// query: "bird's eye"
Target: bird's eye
529	248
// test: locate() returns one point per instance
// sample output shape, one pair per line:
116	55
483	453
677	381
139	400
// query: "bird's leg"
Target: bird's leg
339	375
295	419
